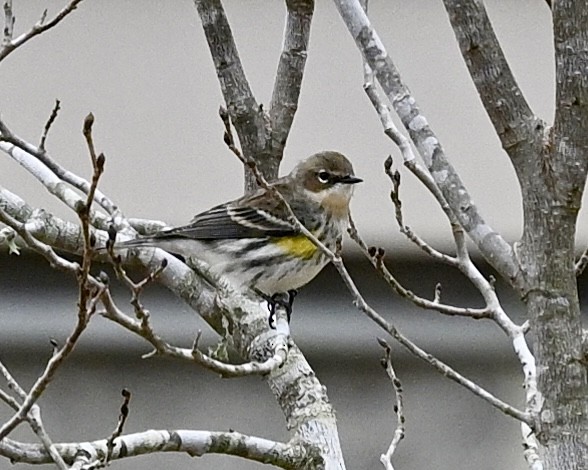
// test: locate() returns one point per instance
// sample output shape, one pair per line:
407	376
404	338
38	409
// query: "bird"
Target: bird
252	242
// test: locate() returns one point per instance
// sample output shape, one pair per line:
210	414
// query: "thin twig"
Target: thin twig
122	418
9	20
143	328
52	175
89	293
41	26
386	458
48	124
52	366
33	417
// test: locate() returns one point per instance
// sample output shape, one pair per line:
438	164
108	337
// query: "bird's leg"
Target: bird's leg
292	293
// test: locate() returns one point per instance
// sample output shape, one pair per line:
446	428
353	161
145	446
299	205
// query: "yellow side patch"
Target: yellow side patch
297	245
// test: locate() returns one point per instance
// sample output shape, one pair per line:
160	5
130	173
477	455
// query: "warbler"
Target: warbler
251	241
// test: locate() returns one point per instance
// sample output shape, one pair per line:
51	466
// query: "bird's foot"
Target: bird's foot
279	299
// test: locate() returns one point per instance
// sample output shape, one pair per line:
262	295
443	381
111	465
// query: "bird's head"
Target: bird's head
327	178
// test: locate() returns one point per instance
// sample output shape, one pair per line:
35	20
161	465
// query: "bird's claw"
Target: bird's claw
282	299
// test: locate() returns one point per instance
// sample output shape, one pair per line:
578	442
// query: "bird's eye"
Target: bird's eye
323	176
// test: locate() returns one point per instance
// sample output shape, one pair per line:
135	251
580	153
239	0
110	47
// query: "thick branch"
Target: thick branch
290	72
194	443
514	121
246	114
571	116
311	418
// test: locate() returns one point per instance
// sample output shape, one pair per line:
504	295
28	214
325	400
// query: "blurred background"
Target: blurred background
143	69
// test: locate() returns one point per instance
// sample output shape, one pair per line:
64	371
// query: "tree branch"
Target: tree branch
492	246
11	144
9	45
386	458
514	121
571	95
246	114
290	72
194	443
33	417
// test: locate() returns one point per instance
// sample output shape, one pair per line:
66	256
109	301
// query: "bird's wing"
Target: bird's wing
249	217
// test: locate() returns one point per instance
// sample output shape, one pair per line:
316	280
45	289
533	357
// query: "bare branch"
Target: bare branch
386	458
10	45
194	443
142	327
494	248
440	366
54	177
290	72
246	114
42	248
90	292
426	179
122	418
48	125
34	419
33	416
514	121
52	365
376	257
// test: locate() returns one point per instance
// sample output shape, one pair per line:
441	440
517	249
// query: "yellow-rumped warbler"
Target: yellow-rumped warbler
251	242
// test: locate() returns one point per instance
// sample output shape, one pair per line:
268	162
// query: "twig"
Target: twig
33	416
11	45
405	229
143	328
8	23
89	291
48	124
376	257
34	419
122	418
52	175
228	137
386	458
52	365
463	262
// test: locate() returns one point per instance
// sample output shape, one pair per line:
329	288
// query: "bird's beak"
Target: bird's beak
349	179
